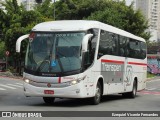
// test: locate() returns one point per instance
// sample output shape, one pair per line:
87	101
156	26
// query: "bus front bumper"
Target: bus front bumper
73	91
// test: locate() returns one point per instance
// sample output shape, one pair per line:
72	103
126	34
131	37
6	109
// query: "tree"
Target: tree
2	50
16	21
124	17
43	7
107	11
77	9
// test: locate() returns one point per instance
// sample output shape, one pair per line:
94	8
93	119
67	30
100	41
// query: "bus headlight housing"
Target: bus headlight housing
27	80
76	81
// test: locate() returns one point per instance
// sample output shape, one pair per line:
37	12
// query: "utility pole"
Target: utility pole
54	10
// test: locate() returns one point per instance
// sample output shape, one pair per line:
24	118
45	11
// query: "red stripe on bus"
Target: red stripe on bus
135	63
112	61
59	80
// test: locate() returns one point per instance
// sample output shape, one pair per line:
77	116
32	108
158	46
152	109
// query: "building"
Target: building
19	2
2	7
151	10
29	4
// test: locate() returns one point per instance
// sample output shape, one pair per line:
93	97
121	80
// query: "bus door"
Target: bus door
112	65
132	51
127	69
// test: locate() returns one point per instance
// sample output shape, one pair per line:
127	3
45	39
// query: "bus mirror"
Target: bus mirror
85	42
19	40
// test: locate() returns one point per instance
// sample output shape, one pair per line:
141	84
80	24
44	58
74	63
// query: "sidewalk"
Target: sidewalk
10	75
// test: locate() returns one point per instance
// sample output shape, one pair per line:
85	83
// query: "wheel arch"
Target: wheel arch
136	80
101	81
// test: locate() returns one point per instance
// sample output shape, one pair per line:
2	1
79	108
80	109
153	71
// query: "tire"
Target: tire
97	98
49	100
133	93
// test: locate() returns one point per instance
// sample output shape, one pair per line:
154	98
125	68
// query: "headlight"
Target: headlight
76	81
27	80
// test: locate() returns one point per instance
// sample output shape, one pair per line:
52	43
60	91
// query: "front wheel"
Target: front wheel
48	100
97	98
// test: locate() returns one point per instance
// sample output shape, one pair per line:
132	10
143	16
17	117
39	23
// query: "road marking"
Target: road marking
7	86
150	92
19	83
15	85
2	89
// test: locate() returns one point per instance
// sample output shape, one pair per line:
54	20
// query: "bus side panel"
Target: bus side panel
135	70
112	70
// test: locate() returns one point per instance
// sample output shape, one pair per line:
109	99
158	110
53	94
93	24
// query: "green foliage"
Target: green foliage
2	50
16	21
107	11
149	75
124	17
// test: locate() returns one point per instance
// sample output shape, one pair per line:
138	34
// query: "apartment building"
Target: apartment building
29	4
151	10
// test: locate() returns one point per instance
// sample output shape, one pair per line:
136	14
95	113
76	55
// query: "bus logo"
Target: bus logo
49	84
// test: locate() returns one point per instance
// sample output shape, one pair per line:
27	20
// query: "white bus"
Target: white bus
82	59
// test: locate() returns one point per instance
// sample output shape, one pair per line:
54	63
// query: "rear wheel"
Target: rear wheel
48	100
97	98
133	93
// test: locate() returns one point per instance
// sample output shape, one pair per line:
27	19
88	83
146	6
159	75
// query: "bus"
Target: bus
82	59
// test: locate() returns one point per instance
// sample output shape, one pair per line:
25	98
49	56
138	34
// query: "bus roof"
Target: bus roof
80	25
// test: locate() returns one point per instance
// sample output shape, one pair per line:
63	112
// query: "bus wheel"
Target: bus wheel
133	93
97	98
48	100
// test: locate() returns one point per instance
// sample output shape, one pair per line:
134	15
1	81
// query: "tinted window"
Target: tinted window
143	50
123	46
136	49
108	43
113	44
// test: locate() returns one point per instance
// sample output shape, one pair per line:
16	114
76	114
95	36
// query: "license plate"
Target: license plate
48	92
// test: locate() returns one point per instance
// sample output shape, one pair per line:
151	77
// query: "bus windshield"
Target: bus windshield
54	52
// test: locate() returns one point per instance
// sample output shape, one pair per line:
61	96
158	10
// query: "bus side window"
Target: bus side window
114	44
103	49
92	43
143	50
107	44
134	49
123	51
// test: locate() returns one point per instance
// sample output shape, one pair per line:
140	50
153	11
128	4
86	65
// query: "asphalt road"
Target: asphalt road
13	99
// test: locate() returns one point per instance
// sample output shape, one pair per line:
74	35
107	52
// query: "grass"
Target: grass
149	75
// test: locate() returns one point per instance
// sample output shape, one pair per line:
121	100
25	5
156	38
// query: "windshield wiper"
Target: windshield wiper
60	63
41	66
